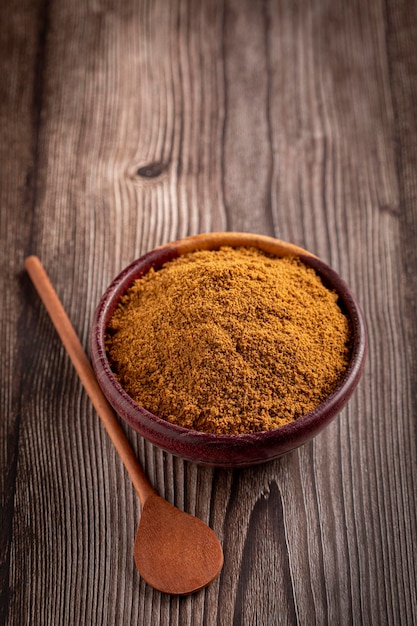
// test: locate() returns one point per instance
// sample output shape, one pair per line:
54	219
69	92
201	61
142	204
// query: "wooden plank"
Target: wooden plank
401	21
21	53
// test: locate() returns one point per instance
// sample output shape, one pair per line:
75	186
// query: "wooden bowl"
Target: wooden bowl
224	450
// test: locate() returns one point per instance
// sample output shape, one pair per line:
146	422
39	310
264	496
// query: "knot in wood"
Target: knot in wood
152	170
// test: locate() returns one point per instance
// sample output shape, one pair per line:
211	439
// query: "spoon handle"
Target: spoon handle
84	370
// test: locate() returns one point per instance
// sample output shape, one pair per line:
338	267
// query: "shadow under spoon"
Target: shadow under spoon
174	552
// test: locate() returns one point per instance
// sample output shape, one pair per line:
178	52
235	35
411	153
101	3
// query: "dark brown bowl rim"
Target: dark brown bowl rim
177	439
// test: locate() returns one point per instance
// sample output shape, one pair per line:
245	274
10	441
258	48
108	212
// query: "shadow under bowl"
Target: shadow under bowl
225	450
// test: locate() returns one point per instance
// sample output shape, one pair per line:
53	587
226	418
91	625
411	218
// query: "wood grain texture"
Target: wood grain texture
126	125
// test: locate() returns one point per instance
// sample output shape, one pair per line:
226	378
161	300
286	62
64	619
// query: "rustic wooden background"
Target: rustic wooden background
128	124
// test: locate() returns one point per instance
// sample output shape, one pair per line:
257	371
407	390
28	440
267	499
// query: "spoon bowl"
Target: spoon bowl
170	541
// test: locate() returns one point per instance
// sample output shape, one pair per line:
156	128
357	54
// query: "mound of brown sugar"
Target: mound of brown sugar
229	341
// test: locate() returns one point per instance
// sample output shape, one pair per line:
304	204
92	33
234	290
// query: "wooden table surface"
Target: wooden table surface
127	125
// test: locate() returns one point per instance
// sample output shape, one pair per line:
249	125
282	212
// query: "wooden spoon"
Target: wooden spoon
174	552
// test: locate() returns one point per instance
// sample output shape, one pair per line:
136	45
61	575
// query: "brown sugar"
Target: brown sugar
229	341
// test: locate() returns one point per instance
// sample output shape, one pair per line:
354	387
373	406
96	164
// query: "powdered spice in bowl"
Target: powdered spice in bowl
228	349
